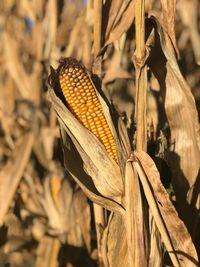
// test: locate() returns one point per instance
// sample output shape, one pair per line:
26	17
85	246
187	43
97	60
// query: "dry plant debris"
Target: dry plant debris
100	162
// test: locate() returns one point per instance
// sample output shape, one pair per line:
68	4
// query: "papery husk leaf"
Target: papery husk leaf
74	165
117	127
173	231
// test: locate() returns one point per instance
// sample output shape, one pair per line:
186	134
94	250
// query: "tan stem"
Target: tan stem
140	28
141	76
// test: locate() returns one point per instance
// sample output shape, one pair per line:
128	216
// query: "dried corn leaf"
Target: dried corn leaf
12	172
173	232
181	113
118	16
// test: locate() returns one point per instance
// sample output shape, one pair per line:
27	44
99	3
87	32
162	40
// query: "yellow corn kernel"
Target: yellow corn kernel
80	96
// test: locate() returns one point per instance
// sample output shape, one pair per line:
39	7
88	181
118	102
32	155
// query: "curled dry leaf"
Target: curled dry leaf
89	152
12	172
173	231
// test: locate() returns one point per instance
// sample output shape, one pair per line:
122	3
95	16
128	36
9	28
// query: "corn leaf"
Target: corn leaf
173	231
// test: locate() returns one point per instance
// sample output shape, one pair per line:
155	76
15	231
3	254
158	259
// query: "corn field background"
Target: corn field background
64	202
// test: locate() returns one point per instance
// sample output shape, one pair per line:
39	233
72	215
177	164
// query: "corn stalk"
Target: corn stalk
141	76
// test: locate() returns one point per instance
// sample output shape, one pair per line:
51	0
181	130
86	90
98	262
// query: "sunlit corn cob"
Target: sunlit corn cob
83	102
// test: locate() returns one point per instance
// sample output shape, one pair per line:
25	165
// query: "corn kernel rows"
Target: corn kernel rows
84	104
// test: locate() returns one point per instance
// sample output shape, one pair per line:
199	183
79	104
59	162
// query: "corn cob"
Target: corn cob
83	102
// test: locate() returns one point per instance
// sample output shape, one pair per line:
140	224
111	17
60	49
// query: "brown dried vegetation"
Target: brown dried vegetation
67	197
